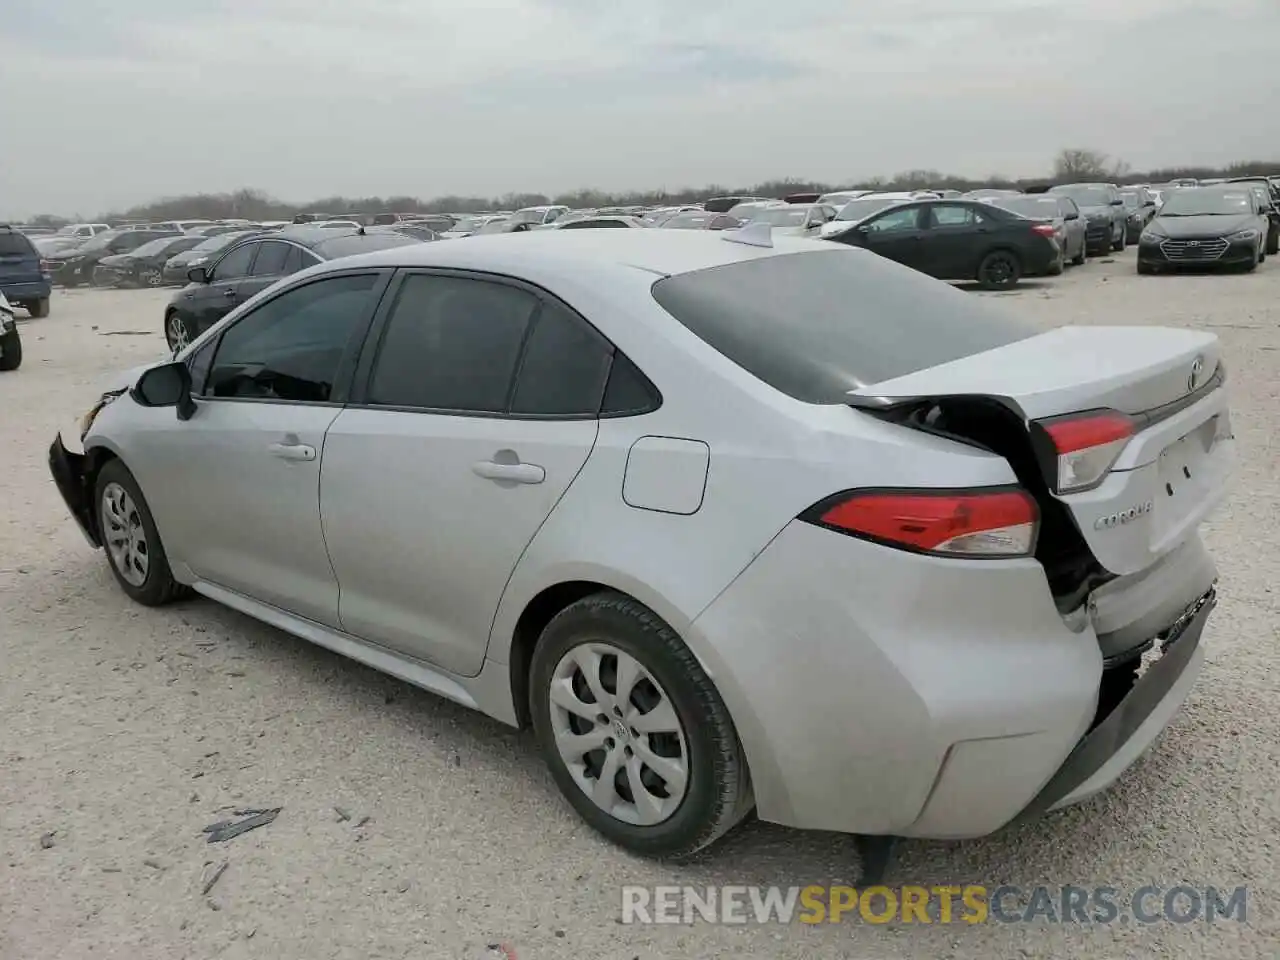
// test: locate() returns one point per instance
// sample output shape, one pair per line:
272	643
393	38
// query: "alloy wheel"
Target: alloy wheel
124	535
178	336
999	271
151	278
618	734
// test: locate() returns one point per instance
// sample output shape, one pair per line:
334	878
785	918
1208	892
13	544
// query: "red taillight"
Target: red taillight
998	522
1079	450
1045	229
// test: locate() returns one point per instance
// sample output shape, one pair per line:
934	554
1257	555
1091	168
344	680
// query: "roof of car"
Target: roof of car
662	252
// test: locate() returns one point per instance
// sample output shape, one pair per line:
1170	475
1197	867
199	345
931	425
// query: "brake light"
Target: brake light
1079	450
999	522
1045	229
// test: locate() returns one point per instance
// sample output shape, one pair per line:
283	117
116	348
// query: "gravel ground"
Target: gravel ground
124	731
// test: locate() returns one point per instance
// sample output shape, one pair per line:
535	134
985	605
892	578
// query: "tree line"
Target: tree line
1069	165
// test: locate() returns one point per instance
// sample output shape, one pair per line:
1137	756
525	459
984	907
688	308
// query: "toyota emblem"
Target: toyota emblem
1197	368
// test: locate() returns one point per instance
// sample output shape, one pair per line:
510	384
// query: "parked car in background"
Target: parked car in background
249	267
598	223
1106	220
701	221
440	461
505	225
1140	208
795	219
1061	211
959	240
178	226
217	229
176	267
860	209
82	230
410	228
10	339
74	267
53	244
538	216
24	272
990	193
1269	194
661	215
726	204
1214	226
469	225
143	267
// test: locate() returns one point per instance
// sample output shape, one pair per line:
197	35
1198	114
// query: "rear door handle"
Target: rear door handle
292	451
230	292
510	472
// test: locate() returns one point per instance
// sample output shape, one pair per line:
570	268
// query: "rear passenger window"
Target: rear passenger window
564	368
628	392
451	343
271	259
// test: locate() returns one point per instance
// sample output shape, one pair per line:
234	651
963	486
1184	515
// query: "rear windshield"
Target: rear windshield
354	243
816	325
15	245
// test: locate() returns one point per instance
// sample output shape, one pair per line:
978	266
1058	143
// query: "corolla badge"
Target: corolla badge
1120	518
1197	370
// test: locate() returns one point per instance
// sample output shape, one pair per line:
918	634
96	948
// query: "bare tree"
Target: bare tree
1079	164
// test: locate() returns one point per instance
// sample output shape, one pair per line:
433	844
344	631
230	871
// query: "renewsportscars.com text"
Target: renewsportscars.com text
969	904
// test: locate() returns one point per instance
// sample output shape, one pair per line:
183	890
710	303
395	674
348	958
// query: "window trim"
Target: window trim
372	347
342	380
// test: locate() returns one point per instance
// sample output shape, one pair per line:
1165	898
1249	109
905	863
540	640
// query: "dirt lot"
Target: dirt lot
124	731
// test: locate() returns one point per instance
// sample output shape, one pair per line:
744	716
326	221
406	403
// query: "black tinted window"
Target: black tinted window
564	367
628	390
816	325
15	245
236	263
290	347
271	259
451	344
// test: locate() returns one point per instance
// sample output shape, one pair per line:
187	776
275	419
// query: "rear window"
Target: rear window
816	325
354	243
14	244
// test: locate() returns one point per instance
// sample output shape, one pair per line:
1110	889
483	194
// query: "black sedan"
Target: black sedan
959	240
143	267
1218	226
246	268
74	267
176	267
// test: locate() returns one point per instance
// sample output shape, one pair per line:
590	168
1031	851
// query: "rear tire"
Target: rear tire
39	308
999	270
177	332
130	539
150	277
10	351
1118	244
672	717
1273	242
1079	258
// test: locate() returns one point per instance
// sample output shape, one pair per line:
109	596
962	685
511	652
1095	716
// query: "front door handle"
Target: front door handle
230	292
292	451
510	472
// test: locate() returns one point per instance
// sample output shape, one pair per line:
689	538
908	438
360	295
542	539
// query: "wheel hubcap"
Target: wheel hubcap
124	534
178	334
151	278
999	271
618	734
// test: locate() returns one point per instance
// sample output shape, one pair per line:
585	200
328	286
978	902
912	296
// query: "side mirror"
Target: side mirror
1072	216
168	385
1117	202
198	275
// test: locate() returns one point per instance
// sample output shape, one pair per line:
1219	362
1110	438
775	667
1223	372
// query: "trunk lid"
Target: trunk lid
1169	474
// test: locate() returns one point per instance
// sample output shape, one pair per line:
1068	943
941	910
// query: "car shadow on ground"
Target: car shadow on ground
1073	842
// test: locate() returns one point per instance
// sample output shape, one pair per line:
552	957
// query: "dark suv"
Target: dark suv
74	267
24	276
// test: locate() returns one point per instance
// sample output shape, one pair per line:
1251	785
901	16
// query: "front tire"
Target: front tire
130	539
177	332
10	351
634	731
39	309
999	270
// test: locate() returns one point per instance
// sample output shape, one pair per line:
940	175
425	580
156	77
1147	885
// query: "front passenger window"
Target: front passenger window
896	221
290	348
236	263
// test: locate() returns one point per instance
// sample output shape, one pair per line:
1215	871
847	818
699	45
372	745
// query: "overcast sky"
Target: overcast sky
108	104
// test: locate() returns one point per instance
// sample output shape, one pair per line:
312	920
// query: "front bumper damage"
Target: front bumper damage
68	471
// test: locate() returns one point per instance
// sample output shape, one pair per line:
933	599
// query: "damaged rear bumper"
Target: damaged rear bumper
68	471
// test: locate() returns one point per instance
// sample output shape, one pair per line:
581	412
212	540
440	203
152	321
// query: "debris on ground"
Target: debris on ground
46	841
230	829
211	876
343	814
153	863
362	821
